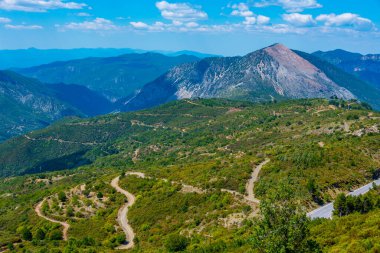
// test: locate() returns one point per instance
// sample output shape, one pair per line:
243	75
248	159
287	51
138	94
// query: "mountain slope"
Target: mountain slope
364	91
25	58
27	104
365	67
114	77
273	72
87	101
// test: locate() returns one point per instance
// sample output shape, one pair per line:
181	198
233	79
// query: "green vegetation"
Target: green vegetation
283	226
321	148
363	204
357	230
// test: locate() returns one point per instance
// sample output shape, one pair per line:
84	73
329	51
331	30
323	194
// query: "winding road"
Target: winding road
251	182
123	211
65	225
326	211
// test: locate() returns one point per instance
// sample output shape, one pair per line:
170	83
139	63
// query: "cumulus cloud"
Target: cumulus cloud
23	27
297	19
241	10
346	20
139	25
98	24
249	21
262	20
180	12
38	5
5	20
290	5
192	24
83	14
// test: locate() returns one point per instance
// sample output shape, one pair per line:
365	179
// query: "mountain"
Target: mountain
365	67
27	104
363	90
193	53
197	156
275	72
24	58
113	77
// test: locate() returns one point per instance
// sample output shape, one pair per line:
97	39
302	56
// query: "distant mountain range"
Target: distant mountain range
113	77
24	58
93	86
275	72
27	104
365	67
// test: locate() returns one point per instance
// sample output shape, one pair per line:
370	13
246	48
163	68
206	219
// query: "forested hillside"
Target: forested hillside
197	156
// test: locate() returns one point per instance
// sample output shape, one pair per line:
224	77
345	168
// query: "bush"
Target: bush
176	242
25	233
56	235
62	197
40	234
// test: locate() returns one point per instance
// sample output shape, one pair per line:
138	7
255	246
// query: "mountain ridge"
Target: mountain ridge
113	77
364	67
28	104
274	72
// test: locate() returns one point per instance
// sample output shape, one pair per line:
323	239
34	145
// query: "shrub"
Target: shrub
176	242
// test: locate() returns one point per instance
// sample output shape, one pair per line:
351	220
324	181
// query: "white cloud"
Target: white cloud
5	20
38	5
192	24
291	5
349	20
23	27
181	12
83	14
297	19
249	21
98	24
139	25
262	20
241	10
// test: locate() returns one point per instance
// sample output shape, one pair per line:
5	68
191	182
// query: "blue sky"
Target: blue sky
213	26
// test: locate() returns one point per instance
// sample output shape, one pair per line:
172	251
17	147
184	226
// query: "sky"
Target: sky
212	26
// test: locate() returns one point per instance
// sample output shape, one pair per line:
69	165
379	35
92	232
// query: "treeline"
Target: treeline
345	205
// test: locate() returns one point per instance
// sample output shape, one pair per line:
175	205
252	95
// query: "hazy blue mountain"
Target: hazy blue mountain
363	90
193	53
85	100
24	58
27	104
275	72
113	77
365	67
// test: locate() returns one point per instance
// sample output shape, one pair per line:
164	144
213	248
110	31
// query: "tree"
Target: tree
176	242
62	197
69	211
56	235
25	233
283	226
99	195
40	234
340	205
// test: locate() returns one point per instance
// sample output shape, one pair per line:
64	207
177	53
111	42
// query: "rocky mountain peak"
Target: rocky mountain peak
272	72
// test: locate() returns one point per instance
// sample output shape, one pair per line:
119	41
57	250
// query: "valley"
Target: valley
203	165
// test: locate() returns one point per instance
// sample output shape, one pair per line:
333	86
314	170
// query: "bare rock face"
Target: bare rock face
273	72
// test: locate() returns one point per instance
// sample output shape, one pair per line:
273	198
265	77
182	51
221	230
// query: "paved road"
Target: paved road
326	211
